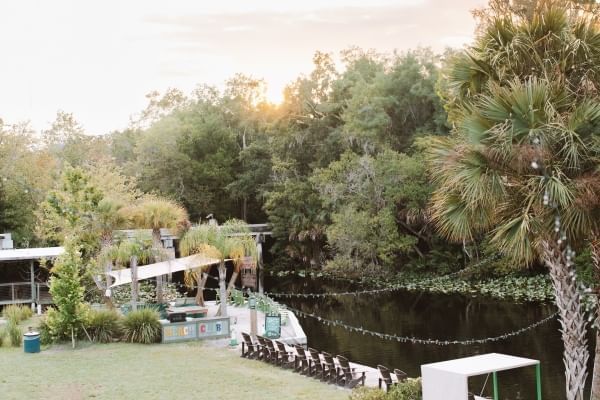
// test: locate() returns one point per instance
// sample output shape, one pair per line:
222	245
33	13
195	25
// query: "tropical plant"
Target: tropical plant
156	213
230	240
523	162
104	326
142	326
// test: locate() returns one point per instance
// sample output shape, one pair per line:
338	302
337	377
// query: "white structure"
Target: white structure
123	276
448	380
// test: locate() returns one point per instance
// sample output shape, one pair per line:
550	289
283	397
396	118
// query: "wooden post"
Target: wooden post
259	264
31	274
253	323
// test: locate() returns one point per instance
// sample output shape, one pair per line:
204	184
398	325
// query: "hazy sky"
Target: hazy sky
98	59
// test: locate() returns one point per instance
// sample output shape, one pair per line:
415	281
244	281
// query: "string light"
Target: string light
414	340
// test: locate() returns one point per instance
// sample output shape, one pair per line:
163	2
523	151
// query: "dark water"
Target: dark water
425	315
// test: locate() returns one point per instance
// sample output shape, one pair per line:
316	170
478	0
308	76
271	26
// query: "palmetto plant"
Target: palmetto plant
522	165
231	240
156	213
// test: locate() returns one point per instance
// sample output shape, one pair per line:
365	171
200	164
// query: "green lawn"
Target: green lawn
127	371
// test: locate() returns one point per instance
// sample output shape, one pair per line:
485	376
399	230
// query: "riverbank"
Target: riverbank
129	371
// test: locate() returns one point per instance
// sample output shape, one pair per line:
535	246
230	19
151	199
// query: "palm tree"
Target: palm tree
522	164
157	213
228	241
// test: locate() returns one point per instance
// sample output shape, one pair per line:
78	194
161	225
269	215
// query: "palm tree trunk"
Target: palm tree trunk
157	244
201	279
572	319
231	284
134	283
222	289
595	246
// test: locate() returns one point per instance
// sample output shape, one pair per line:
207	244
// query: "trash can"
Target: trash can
31	342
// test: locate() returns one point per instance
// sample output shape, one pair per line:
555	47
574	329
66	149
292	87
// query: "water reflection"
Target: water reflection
435	316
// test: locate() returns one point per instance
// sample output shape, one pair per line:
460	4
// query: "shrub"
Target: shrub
366	393
15	335
44	329
142	326
17	313
2	337
104	326
408	390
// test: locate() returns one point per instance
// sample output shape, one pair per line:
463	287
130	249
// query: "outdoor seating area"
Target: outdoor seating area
311	363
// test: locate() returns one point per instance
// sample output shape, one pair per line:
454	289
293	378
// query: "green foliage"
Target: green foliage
146	293
142	326
407	390
45	332
104	326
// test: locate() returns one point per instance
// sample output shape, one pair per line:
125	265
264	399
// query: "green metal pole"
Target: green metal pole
538	381
495	379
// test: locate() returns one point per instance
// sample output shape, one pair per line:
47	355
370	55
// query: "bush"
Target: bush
142	326
408	390
366	393
45	335
17	313
104	326
2	337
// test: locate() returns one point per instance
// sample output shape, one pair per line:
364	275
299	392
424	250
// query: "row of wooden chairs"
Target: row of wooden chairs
320	365
389	379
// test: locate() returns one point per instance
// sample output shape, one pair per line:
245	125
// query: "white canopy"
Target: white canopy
448	380
30	254
123	276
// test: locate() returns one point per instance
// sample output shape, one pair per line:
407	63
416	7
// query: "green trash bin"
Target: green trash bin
31	342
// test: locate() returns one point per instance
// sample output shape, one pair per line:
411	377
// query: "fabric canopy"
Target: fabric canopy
123	276
448	380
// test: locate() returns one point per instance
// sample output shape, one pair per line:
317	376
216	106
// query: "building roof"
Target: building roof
30	254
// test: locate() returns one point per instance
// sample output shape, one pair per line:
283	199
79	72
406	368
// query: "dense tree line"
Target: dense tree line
337	169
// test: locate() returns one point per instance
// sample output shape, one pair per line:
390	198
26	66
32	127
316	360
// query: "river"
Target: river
436	316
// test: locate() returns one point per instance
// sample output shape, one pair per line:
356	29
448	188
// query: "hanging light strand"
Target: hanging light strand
422	341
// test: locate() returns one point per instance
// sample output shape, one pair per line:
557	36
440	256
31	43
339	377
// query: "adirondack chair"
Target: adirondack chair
249	348
286	358
276	357
316	367
385	377
267	354
401	376
302	363
349	377
331	372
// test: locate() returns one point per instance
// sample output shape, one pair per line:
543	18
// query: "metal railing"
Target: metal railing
16	292
20	293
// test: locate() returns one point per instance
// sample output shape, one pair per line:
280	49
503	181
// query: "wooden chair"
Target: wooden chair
316	367
349	377
330	369
267	354
385	377
302	362
401	376
249	348
286	358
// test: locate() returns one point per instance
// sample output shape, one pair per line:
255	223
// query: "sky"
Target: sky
98	59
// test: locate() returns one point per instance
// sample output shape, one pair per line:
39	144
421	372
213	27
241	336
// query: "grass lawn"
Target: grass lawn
166	371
